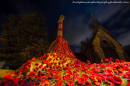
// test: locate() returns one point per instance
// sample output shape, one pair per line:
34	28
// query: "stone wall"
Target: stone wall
97	50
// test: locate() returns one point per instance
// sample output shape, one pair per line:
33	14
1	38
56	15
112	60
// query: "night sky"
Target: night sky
77	26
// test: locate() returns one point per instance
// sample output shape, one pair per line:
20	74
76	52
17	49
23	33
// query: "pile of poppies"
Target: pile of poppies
73	74
64	69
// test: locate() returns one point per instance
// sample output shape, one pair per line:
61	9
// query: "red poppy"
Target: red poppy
109	72
15	80
22	82
111	58
87	83
80	80
94	71
48	70
28	66
70	83
36	69
32	74
126	76
41	57
7	78
37	64
109	80
49	75
102	76
97	81
69	72
118	69
54	55
43	79
65	68
117	79
122	61
44	67
110	62
44	61
28	62
49	59
128	83
56	76
33	59
67	77
25	70
45	56
76	76
101	71
59	78
74	72
88	61
46	83
102	66
41	66
85	76
117	60
101	60
77	65
59	83
106	59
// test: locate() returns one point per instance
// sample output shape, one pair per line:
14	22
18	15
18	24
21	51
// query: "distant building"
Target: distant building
102	45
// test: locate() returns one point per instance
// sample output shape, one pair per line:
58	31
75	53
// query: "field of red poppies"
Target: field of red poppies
61	68
75	73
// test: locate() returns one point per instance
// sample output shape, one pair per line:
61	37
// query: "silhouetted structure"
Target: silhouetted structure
102	45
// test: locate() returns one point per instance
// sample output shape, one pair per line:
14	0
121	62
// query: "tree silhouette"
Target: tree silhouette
23	37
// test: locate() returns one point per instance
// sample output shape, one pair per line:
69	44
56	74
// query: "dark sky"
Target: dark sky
115	17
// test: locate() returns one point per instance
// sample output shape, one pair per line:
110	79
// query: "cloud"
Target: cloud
113	22
124	35
124	39
108	12
120	9
75	31
127	21
124	10
119	31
